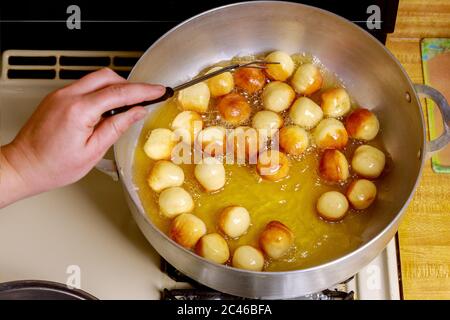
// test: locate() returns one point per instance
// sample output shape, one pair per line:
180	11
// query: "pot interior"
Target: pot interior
371	75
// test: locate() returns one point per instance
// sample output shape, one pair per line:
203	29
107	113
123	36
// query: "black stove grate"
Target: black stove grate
200	292
210	294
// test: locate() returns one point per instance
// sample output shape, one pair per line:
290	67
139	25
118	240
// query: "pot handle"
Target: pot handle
109	168
429	92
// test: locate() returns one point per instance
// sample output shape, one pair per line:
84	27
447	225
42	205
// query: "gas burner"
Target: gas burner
210	294
176	275
338	295
197	294
200	292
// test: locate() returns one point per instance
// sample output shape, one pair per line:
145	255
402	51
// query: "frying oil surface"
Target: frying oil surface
291	201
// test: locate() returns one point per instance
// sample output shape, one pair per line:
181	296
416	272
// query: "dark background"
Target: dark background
22	23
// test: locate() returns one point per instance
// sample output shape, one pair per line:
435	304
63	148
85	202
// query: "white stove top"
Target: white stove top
84	233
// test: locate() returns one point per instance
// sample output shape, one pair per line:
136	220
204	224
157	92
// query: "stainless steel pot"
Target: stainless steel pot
372	75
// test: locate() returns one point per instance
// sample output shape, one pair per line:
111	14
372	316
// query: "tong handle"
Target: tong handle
168	94
171	91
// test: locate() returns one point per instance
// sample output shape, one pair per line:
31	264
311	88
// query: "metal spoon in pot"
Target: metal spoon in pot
258	64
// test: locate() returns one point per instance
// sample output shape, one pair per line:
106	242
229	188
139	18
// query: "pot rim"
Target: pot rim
374	239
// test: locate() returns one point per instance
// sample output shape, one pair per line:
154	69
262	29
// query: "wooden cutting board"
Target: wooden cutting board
424	234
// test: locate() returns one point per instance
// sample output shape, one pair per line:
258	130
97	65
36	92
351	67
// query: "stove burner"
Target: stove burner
176	275
210	294
197	294
200	292
339	295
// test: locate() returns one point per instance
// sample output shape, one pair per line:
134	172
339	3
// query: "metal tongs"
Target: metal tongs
257	64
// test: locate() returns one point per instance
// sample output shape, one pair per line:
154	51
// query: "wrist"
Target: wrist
13	184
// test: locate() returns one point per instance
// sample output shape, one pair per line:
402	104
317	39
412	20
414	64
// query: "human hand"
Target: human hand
66	135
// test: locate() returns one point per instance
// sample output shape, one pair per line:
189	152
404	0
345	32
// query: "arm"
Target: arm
12	186
66	135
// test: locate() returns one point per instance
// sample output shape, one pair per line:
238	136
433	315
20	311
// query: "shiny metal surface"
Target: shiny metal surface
371	74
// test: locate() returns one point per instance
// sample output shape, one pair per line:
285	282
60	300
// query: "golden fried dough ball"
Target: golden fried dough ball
187	229
333	166
332	206
273	165
276	239
213	140
307	79
250	79
221	84
159	144
187	125
213	247
335	103
330	133
246	144
362	124
210	173
277	96
294	140
284	69
361	193
305	113
234	221
368	162
195	98
234	108
174	201
248	258
165	174
267	122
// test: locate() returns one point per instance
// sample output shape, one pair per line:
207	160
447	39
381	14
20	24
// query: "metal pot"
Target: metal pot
373	77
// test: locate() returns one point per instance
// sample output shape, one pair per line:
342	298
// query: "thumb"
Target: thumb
110	129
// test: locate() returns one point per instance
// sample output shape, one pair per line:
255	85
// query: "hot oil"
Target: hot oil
291	201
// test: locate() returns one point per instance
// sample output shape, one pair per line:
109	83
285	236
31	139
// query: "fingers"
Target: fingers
122	94
95	81
110	129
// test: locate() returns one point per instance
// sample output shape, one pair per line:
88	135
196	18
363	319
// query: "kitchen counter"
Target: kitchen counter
424	234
